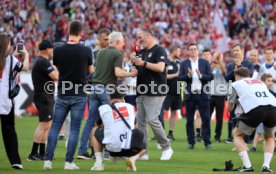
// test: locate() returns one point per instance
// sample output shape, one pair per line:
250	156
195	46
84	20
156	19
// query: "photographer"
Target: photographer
8	79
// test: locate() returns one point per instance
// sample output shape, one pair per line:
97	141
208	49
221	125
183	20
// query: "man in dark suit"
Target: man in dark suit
238	61
196	73
238	54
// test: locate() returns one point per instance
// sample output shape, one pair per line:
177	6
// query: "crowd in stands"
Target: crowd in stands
249	22
21	20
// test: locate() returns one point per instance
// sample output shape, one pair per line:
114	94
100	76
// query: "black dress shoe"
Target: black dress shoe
266	170
191	146
208	146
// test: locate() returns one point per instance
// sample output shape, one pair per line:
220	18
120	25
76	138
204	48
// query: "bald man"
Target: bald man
258	69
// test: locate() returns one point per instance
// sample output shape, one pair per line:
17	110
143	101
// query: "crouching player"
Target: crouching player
115	135
255	105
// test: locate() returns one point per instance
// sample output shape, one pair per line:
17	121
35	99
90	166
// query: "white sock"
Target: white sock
267	159
245	159
99	157
136	157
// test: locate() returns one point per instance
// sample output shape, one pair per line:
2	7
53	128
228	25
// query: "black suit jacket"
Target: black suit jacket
205	70
231	67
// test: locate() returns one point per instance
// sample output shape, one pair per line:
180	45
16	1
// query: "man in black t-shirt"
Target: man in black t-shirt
151	90
74	62
173	99
43	73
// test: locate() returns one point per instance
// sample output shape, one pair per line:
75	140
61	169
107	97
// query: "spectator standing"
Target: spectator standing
82	152
239	61
6	103
150	98
73	61
173	99
219	89
42	73
270	66
258	69
196	72
103	42
108	70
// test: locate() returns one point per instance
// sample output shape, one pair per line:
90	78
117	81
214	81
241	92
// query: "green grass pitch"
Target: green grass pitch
184	161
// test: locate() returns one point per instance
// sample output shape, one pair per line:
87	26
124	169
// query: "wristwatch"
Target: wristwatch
145	64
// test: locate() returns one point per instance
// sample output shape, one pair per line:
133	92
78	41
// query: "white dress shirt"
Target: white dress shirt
196	83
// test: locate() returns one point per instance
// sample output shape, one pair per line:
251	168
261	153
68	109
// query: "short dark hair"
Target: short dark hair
192	44
148	31
104	31
119	93
45	44
238	45
268	48
173	48
265	76
75	28
242	72
206	50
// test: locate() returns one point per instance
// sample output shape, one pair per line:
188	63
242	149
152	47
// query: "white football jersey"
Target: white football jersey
116	134
253	93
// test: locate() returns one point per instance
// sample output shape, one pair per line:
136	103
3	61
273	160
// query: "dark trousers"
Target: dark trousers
232	123
131	99
10	137
197	102
218	103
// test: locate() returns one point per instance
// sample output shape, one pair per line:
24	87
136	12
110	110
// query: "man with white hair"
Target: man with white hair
108	69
